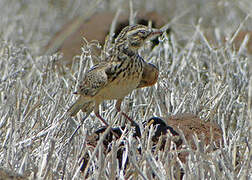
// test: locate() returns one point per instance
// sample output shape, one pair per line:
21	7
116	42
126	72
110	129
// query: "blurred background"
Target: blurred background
35	23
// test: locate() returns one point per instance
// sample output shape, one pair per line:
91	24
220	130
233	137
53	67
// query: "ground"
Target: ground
204	90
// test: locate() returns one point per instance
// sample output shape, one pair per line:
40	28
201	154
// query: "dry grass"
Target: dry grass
213	83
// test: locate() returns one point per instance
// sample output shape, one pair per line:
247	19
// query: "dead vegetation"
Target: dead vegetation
196	77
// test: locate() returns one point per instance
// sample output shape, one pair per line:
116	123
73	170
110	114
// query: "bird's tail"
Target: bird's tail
80	104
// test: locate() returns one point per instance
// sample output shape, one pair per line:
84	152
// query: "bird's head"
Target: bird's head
133	37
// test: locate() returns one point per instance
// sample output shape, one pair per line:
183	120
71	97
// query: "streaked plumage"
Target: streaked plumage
124	71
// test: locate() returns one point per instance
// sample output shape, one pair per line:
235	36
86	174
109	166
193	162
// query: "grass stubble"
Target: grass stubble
213	83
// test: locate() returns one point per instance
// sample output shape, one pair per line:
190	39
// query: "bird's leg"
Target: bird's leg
101	118
96	111
133	123
107	125
118	108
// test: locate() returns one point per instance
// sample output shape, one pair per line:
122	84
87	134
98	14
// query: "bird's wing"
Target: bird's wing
149	76
97	78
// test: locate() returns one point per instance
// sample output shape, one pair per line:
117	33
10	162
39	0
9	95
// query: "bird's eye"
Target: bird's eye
142	33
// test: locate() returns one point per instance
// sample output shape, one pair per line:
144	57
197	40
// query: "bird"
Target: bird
161	128
119	74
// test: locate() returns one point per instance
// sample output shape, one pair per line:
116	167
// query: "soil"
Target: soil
208	133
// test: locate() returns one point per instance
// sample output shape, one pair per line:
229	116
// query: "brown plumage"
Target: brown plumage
149	76
122	72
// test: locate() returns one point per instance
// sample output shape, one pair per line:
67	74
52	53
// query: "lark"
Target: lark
123	71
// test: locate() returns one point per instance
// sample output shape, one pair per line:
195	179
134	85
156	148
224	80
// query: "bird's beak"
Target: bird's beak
156	32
